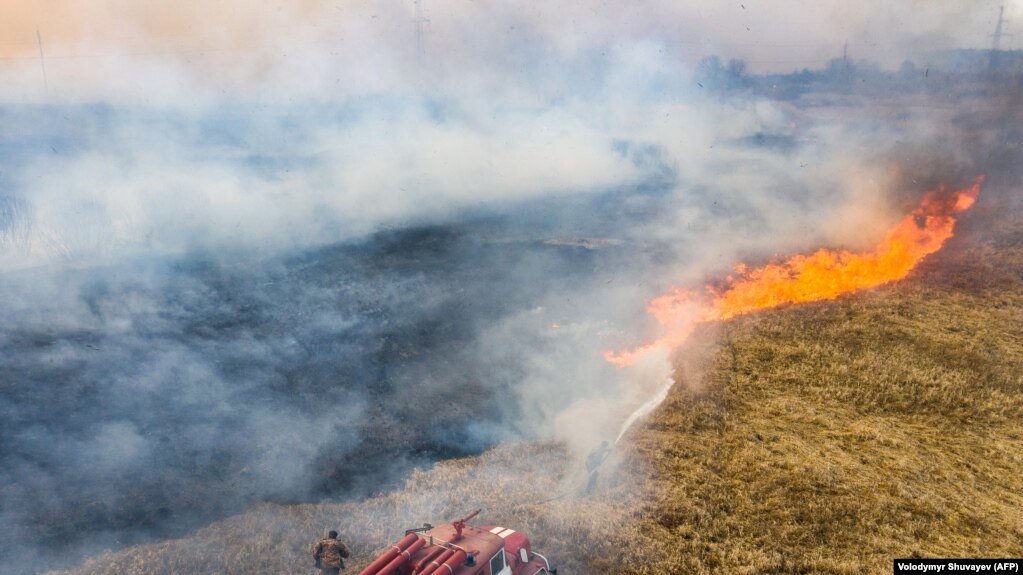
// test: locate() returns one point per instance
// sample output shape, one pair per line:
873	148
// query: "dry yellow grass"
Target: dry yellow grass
509	483
834	437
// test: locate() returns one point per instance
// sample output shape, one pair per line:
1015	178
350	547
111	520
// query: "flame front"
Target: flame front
823	275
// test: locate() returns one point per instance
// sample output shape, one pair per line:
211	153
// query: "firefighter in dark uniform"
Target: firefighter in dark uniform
594	460
597	456
330	554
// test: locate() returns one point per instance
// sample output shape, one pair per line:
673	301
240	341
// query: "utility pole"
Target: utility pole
996	45
998	30
42	61
420	31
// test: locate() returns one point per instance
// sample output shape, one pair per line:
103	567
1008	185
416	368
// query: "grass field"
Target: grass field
821	438
834	437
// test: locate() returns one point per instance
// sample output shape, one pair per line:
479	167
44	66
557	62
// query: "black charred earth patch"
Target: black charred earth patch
140	400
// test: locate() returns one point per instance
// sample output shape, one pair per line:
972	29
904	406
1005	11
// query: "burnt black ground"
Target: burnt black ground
141	399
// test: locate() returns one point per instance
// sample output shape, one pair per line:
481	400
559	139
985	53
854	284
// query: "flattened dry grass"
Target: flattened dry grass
511	484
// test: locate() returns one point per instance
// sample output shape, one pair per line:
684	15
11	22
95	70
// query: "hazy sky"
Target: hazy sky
125	49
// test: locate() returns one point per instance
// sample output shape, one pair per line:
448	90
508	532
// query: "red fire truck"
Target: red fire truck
459	549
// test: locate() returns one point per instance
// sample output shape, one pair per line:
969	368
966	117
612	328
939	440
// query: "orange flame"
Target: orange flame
823	275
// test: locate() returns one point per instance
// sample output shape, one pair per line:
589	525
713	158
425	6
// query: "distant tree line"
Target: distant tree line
942	71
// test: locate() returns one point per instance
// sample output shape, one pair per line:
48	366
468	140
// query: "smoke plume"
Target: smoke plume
284	251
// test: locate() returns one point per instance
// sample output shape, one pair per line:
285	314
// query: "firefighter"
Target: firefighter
593	461
597	456
330	554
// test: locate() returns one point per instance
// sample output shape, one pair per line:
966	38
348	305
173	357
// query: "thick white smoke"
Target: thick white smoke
254	245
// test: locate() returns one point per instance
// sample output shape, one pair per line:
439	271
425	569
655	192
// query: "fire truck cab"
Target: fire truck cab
459	549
